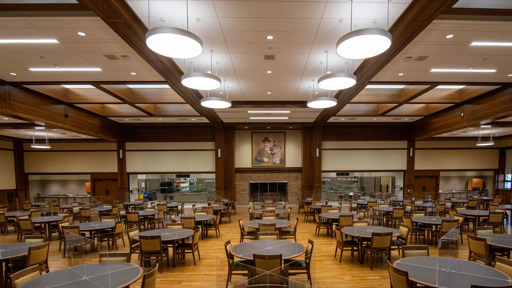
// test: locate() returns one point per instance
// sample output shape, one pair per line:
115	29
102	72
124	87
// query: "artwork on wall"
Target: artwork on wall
268	149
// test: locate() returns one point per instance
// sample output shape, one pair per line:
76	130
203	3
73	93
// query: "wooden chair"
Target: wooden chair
235	267
345	221
484	230
398	278
213	226
415	232
478	250
73	238
133	220
496	220
287	233
402	239
345	245
301	205
267	227
379	245
113	235
151	248
308	212
134	245
85	215
36	256
415	250
118	257
267	235
108	218
396	216
504	265
226	214
158	221
23	276
297	267
174	225
25	226
322	224
3	223
245	233
375	216
189	222
190	247
267	271
149	278
446	226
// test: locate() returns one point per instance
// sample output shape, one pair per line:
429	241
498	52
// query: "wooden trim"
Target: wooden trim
172	172
22	184
269	170
418	15
123	183
269	104
333	171
165	150
362	149
50	151
6	149
169	133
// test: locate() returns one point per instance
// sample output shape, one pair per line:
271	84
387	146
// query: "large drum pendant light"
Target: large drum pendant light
200	80
335	81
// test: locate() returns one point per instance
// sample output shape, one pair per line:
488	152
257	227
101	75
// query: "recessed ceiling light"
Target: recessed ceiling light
59	69
269	92
39	128
290	127
495	44
193	119
400	74
342	118
385	86
268	127
81	33
463	70
28	41
374	118
14	74
147	86
449	36
485	126
269	71
268	118
159	119
274	111
5	118
405	119
270	37
133	73
509	75
78	86
221	92
246	127
450	87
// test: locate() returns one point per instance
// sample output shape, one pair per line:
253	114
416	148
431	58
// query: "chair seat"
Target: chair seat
296	265
350	243
250	233
241	265
397	242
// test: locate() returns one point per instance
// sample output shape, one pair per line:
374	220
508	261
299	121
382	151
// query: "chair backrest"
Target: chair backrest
415	250
267	235
504	265
189	222
296	225
120	257
478	246
130	233
132	216
25	224
119	227
38	255
472	204
381	240
493	207
398	212
267	227
108	218
417	213
161	207
333	210
309	251
149	278
452	212
325	208
447	225
35	238
345	220
407	220
404	232
398	278
496	217
267	263
208	210
35	213
360	223
70	231
241	224
23	276
484	230
173	225
85	212
198	212
227	249
150	243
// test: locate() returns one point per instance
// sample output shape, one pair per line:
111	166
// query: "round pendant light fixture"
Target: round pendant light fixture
200	80
320	102
335	81
173	42
363	43
35	145
217	102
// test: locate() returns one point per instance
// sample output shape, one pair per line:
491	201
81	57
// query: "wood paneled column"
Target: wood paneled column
312	162
409	173
225	163
19	168
123	193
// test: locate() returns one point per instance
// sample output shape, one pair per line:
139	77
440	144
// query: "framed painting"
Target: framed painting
268	149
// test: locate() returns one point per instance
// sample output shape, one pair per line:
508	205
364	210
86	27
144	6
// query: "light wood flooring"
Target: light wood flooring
211	270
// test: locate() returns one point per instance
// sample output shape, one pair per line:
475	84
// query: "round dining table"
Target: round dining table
101	275
46	221
363	233
279	223
499	240
95	228
9	251
450	272
169	237
198	217
277	211
287	249
17	214
475	214
430	221
336	215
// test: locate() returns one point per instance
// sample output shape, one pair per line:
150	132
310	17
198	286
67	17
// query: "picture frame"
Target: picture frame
268	149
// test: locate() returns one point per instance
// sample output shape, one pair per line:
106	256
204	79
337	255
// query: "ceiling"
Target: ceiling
401	89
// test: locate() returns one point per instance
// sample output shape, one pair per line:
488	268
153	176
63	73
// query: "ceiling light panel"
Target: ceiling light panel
452	95
387	94
28	41
74	95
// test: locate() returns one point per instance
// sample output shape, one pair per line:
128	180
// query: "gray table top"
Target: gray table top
431	220
336	215
278	211
90	275
268	247
167	234
366	231
459	201
450	272
11	250
198	217
508	207
215	208
473	212
68	206
279	223
387	209
428	205
93	226
102	209
46	219
320	206
17	213
145	213
500	240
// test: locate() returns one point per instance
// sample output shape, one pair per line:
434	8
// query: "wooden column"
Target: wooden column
312	162
225	163
409	174
123	193
22	192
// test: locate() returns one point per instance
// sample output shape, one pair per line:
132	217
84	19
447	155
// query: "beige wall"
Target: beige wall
365	160
243	149
7	175
170	157
364	144
70	162
466	159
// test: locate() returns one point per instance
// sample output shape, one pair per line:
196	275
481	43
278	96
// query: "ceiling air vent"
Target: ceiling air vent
407	59
135	119
351	119
269	57
421	58
184	119
111	56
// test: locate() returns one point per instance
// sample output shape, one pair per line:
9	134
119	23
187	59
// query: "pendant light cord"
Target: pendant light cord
187	13
326	61
351	16
211	61
388	15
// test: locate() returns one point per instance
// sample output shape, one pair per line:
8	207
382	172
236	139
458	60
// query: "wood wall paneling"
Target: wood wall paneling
409	173
174	133
22	187
225	186
365	132
122	191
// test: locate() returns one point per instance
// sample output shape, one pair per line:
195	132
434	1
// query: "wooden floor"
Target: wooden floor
210	271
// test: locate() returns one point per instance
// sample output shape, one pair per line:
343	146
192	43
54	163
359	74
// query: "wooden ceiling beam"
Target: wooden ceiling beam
118	15
482	14
23	104
491	106
418	15
123	99
408	100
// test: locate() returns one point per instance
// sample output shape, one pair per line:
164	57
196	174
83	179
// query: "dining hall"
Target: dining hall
300	143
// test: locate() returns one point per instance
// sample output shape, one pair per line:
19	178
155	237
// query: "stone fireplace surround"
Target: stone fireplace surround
242	180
